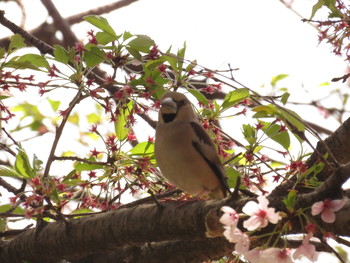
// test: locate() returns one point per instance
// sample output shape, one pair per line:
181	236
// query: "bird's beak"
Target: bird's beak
168	106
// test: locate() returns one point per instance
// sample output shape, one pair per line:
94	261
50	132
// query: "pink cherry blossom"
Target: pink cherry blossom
232	233
235	235
260	214
243	244
306	249
273	254
254	255
327	209
229	217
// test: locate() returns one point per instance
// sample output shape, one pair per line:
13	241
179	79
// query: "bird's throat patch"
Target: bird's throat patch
168	117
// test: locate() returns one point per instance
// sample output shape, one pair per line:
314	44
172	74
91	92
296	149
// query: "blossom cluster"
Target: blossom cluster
260	215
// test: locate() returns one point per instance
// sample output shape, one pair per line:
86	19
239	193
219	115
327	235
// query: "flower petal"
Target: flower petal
250	208
336	205
328	216
317	208
263	202
252	223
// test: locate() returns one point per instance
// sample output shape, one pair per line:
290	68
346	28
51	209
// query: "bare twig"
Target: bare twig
59	131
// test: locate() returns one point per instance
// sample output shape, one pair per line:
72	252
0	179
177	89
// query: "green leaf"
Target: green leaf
290	200
289	119
55	104
143	148
13	63
120	125
74	118
232	176
234	97
101	23
104	38
127	35
273	132
199	96
61	54
171	60
94	56
141	43
191	66
81	166
54	196
16	42
285	97
134	53
9	172
35	59
69	176
316	7
22	165
93	118
277	79
2	52
7	207
249	133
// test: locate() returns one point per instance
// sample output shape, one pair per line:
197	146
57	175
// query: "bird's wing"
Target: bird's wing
206	148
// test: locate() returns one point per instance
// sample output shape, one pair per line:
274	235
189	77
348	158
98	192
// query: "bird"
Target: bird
185	153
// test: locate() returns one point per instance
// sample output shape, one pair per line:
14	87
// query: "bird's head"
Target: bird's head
175	105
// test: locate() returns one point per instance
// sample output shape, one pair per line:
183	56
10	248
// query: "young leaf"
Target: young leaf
120	125
290	200
141	43
143	148
61	55
104	38
16	42
55	104
94	56
81	166
285	97
22	165
277	78
232	176
101	23
199	96
249	133
35	59
234	97
273	132
5	171
127	35
292	118
2	52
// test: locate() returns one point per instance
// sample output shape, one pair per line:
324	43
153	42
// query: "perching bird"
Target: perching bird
185	153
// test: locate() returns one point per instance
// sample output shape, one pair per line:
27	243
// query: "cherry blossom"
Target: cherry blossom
254	255
235	235
327	209
232	233
243	244
273	254
260	214
306	249
229	217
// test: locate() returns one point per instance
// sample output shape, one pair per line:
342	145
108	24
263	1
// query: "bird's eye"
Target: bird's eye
180	103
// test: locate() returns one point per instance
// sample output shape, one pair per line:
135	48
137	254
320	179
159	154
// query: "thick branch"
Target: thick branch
169	251
106	232
42	46
60	23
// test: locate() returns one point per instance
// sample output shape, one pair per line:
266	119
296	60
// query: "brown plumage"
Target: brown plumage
185	153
